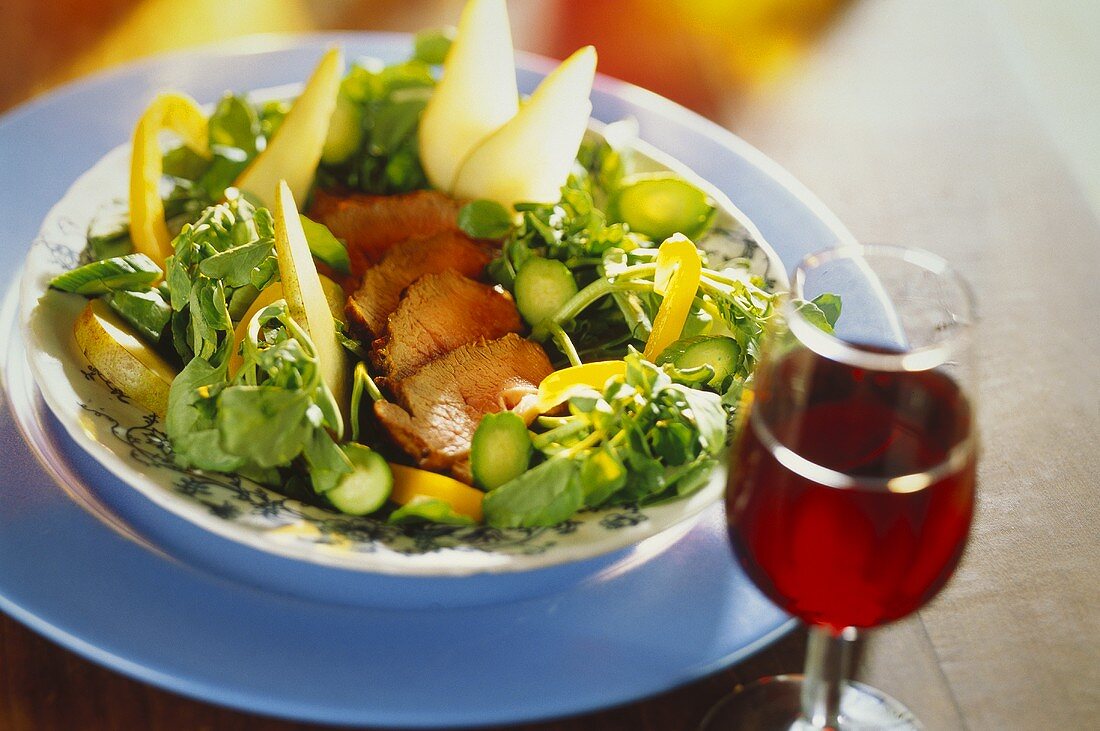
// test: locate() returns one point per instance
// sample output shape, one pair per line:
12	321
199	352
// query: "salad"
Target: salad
410	294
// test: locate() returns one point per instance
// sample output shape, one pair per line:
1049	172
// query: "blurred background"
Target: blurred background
722	58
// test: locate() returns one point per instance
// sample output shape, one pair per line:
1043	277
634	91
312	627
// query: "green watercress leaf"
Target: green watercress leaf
146	311
544	495
132	271
829	304
708	416
272	114
234	123
324	246
264	424
431	45
424	509
326	460
235	265
812	314
602	475
183	162
189	423
484	219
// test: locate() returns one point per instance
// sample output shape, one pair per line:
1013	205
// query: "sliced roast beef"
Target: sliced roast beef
380	290
371	224
438	313
437	408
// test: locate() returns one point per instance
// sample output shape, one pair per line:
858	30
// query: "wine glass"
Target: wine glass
851	484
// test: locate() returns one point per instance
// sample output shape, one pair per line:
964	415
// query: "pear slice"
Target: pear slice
121	357
529	158
476	95
176	113
336	298
293	153
305	295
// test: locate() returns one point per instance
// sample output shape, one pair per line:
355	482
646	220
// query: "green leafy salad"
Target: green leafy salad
217	306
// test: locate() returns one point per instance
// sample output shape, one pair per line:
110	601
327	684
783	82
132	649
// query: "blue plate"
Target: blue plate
133	588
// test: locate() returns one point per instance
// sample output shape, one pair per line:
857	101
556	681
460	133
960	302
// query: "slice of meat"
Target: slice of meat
371	224
438	313
380	290
438	408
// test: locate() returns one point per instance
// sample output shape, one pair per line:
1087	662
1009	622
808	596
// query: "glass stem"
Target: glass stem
828	661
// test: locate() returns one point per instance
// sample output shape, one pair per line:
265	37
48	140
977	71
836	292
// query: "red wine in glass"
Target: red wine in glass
852	476
866	552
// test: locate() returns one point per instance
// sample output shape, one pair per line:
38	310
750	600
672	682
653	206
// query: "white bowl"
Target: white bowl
130	442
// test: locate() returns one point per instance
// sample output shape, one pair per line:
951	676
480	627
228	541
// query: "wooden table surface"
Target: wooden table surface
910	122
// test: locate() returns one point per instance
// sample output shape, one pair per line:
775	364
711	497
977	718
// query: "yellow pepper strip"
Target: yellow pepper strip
677	280
334	294
409	482
271	294
559	385
173	113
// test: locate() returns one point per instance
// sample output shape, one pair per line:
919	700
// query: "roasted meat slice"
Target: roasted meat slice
380	291
438	313
437	408
371	224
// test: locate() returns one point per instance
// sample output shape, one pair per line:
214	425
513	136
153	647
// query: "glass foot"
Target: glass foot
775	704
